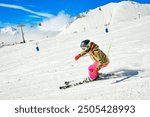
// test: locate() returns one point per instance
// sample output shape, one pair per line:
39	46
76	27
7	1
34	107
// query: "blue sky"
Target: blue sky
32	12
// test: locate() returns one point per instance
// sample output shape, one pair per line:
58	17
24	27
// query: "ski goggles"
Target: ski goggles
84	48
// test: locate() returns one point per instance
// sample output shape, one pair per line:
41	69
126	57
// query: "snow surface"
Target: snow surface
29	74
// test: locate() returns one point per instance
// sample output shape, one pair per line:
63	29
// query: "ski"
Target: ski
72	83
101	76
68	84
65	87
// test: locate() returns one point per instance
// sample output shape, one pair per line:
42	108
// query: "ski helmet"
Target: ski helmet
85	44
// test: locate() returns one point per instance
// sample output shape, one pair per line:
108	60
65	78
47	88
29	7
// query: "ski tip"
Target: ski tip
60	87
65	87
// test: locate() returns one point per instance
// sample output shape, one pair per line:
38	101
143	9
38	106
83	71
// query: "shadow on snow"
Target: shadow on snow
126	74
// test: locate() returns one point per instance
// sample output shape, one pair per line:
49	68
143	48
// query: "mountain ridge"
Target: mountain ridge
106	15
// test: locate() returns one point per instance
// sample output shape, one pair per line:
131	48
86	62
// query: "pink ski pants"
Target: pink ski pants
91	68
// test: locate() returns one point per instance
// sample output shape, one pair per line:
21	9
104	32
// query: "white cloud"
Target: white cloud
25	9
34	16
56	23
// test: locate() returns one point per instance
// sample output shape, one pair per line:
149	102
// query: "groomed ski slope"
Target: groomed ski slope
28	74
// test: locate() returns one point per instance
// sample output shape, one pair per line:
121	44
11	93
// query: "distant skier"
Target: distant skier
100	58
37	47
106	28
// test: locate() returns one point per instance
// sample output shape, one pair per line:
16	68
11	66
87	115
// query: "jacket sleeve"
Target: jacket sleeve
84	52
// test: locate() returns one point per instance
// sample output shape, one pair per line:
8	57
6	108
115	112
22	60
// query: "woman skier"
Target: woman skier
100	58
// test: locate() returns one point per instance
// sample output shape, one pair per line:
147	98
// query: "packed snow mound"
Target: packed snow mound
106	15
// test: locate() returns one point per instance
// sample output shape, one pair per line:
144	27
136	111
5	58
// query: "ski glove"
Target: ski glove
77	57
95	72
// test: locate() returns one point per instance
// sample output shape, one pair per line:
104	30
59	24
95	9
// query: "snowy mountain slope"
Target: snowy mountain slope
28	74
92	19
129	11
29	35
109	14
9	30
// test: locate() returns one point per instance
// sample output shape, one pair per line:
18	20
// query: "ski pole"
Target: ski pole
109	49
